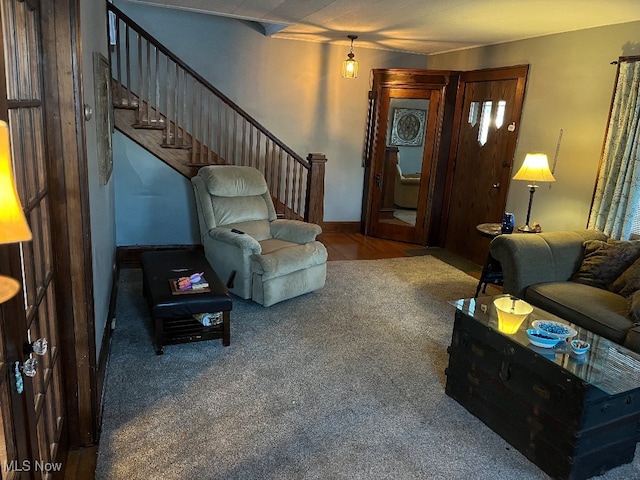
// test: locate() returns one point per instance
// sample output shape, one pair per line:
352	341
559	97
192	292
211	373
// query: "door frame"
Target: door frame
70	214
446	82
68	186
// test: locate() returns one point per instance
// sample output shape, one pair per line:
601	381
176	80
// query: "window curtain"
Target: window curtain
617	196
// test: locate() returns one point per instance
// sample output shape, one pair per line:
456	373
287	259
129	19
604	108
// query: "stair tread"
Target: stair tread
149	126
179	147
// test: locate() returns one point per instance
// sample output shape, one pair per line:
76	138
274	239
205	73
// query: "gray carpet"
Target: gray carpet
344	383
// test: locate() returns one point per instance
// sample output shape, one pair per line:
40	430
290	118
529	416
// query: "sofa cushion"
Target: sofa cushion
280	258
598	310
604	262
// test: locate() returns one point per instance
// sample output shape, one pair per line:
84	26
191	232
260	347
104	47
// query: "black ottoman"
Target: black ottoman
173	313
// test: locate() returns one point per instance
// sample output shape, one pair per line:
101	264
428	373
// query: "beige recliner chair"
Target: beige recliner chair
407	187
260	257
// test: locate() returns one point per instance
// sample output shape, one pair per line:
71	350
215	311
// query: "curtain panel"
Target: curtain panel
617	196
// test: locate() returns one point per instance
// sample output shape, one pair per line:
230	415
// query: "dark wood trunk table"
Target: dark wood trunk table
573	416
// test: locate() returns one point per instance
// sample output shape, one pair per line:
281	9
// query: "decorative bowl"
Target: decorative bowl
511	313
557	329
579	346
540	338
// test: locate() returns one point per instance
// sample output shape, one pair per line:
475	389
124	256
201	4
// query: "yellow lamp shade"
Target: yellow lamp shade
13	224
535	168
511	313
8	288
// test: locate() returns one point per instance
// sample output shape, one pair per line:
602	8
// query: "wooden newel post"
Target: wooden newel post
314	213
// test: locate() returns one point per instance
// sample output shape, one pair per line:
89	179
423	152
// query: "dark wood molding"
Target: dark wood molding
105	347
129	256
341	227
71	229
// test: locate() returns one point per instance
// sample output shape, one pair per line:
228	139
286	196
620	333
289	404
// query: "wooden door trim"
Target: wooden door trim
445	81
519	73
67	165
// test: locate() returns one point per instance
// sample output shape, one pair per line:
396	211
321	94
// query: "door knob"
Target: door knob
496	185
378	180
29	367
39	347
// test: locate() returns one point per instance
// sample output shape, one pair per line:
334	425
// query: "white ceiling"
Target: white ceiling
420	26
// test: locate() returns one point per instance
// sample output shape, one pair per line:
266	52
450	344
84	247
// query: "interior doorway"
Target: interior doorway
404	154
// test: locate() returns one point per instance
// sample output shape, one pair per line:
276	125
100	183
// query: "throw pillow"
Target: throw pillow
604	262
629	281
634	307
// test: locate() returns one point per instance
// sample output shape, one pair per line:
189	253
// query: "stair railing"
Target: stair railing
193	115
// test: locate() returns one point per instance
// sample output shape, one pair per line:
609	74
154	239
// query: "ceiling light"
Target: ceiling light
350	66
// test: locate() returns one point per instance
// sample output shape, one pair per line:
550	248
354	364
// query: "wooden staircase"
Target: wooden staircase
178	116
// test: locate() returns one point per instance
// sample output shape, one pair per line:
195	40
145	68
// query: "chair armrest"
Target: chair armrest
295	230
525	260
240	240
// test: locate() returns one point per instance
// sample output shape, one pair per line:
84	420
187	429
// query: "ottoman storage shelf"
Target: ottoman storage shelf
173	314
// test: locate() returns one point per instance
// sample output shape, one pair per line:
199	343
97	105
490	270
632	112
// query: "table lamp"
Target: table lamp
13	224
535	168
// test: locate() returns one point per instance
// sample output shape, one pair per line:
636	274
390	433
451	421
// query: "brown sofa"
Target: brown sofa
540	268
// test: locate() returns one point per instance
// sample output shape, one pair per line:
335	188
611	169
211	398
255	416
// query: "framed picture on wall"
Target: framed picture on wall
408	127
104	115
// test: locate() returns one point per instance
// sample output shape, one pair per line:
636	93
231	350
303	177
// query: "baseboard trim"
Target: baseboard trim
105	349
129	257
341	227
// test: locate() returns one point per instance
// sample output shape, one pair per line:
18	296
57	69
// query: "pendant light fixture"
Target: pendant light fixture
350	66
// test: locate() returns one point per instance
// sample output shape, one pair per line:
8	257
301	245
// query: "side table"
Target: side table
492	270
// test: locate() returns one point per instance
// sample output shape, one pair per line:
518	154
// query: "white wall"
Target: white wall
569	87
293	88
101	197
156	205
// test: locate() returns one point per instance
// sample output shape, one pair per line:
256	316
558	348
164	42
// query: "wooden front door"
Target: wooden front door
33	440
488	115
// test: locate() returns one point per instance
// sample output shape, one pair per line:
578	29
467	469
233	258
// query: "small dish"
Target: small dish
540	338
579	346
557	329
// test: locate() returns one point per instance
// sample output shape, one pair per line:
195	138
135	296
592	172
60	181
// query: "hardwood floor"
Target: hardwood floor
354	246
81	463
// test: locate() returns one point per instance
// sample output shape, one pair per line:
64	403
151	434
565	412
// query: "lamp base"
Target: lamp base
535	228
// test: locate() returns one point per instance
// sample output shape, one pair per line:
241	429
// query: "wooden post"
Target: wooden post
389	178
314	211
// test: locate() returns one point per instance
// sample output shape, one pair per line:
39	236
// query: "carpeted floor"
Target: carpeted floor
344	383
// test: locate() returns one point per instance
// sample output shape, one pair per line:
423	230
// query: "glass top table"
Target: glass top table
606	365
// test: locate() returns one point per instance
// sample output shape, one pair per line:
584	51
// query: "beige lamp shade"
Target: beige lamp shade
13	224
535	168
